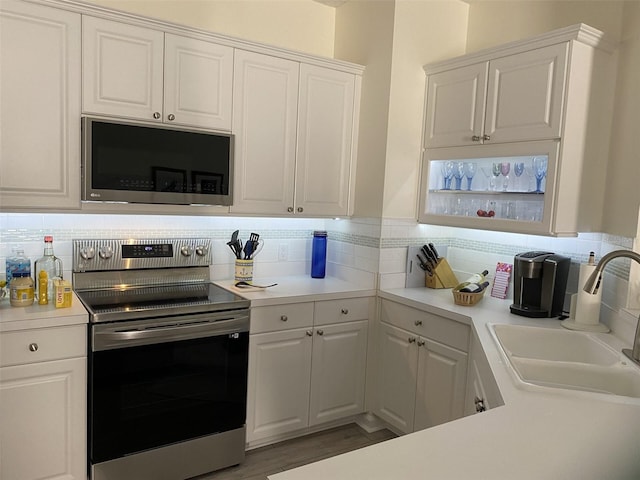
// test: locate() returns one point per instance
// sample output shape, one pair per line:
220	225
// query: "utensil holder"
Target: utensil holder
443	276
244	271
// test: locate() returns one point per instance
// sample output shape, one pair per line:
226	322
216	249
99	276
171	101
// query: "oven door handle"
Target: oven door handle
109	337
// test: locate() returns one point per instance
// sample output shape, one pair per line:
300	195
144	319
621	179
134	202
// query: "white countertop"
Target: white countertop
539	433
40	316
297	289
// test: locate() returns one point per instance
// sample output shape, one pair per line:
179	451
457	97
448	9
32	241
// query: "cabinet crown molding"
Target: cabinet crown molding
580	32
82	7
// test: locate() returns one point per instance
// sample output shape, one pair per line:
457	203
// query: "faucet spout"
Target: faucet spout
593	284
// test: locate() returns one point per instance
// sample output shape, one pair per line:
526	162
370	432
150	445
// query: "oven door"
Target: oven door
158	382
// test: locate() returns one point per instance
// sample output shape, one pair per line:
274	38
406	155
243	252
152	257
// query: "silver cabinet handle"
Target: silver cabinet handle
171	117
411	339
156	115
421	343
345	311
475	138
309	333
290	209
479	402
486	137
417	323
33	347
320	332
284	318
300	209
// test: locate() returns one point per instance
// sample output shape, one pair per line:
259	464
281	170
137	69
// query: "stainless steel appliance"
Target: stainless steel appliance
168	358
137	162
540	283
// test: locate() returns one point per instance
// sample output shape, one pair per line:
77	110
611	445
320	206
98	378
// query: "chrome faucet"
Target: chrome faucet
593	284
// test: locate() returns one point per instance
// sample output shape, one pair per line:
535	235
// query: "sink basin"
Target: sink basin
569	360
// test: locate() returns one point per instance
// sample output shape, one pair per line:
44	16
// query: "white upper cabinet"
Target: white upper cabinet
325	140
527	152
512	98
294	126
40	107
137	72
265	108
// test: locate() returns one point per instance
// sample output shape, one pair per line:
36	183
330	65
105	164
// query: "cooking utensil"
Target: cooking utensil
432	260
249	285
435	252
422	263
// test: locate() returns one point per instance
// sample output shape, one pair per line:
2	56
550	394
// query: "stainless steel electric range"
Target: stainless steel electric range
168	356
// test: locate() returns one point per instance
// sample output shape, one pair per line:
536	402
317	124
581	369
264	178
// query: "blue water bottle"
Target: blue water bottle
319	254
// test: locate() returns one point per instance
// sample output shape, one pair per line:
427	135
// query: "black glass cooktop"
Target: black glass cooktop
116	304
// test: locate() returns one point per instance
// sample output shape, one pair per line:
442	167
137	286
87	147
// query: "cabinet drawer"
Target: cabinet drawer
281	317
42	345
434	327
345	310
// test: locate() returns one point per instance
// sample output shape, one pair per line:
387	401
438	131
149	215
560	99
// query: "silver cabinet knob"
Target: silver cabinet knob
171	117
320	332
156	115
417	323
345	311
421	343
411	339
33	347
475	138
105	252
87	253
486	137
309	333
479	402
290	209
284	318
300	209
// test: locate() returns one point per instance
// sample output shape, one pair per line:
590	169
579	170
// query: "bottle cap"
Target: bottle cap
48	238
319	233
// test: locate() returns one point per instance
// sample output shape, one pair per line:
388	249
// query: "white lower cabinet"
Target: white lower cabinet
422	369
302	375
43	404
482	390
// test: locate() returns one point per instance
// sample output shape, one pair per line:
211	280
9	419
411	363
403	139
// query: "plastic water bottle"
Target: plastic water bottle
319	254
16	265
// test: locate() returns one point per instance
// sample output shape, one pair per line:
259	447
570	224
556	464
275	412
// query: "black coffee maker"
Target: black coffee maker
540	283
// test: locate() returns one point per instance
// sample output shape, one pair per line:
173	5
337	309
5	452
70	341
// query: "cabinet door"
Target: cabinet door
122	68
197	83
455	106
338	371
279	383
481	384
525	94
325	131
397	368
43	418
265	98
40	107
442	376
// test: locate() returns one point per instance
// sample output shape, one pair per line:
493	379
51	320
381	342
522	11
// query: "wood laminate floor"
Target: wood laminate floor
293	453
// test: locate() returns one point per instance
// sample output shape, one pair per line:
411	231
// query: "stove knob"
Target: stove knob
186	250
201	250
105	252
87	253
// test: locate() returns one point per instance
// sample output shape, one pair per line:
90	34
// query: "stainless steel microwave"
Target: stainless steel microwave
136	162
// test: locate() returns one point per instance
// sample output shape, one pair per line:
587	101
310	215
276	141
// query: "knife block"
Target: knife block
443	276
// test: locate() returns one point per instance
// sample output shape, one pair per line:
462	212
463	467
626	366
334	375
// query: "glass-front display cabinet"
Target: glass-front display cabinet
508	187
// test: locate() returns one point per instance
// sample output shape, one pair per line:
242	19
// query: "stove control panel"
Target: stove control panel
105	255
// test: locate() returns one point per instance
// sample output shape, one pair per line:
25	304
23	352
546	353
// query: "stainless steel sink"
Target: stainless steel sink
569	360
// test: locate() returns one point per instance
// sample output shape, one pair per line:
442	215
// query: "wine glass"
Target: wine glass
447	174
505	168
458	174
486	171
469	172
518	169
496	169
540	171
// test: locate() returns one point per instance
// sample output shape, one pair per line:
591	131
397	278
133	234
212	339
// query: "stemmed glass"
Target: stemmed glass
469	172
505	167
540	171
447	174
496	169
458	174
518	169
486	171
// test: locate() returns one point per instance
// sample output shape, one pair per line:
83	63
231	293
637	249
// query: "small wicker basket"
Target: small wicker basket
467	299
